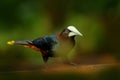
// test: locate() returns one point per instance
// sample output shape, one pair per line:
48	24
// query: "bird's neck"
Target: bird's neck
70	41
64	37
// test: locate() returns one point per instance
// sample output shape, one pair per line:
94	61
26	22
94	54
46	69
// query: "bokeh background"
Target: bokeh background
97	20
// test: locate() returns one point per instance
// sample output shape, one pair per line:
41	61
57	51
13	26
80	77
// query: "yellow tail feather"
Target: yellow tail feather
11	42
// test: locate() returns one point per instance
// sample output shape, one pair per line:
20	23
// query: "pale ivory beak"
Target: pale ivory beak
74	31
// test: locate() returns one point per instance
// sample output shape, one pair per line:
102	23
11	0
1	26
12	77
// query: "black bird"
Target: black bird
52	45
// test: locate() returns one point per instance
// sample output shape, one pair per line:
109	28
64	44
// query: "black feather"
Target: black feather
45	43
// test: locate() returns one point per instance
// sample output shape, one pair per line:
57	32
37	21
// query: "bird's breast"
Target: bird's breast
63	47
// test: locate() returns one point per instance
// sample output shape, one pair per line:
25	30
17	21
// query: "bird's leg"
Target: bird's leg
73	63
45	66
66	60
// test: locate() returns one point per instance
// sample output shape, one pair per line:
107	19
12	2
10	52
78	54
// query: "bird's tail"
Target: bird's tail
25	42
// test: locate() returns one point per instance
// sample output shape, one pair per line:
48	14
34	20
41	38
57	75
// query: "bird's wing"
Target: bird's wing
45	44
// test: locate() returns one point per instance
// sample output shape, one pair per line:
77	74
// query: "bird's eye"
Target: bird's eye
67	31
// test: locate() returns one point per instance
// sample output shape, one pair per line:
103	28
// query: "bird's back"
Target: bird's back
45	43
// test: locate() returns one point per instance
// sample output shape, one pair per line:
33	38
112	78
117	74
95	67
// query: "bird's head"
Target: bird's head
70	31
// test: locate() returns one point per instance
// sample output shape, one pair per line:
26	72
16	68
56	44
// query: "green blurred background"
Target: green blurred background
97	20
